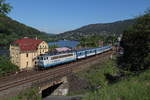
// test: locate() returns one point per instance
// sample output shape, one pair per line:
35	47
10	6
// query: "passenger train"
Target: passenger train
50	60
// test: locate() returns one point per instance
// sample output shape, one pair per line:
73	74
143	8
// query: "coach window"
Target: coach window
80	53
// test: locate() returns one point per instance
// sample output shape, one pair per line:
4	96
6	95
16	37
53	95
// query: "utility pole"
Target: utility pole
118	44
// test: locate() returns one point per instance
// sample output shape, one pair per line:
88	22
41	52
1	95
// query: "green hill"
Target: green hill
11	30
98	29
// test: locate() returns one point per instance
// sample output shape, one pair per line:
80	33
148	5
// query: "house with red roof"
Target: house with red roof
23	52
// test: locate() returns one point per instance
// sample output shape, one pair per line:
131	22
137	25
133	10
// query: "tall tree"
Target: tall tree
5	8
136	45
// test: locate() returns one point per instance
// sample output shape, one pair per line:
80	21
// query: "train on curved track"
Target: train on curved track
49	60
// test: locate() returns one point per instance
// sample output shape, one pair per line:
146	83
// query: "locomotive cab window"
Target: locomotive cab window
79	53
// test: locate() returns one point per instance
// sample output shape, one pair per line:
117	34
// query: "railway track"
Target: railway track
54	72
31	79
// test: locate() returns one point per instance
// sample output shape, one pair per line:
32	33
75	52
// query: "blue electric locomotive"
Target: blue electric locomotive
48	60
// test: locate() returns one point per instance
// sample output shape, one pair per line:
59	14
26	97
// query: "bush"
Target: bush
96	75
6	66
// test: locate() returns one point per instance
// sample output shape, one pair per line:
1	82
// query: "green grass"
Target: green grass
133	87
28	94
95	75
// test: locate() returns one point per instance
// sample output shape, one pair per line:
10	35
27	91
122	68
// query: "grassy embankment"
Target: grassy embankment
130	87
28	94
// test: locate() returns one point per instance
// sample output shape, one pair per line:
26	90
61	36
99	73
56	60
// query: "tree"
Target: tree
5	8
136	45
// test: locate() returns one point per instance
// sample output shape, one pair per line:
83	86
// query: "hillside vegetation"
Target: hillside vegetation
133	87
97	29
11	30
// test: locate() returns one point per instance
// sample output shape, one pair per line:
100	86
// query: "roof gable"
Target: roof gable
27	44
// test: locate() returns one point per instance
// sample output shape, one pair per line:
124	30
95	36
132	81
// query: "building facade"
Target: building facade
24	52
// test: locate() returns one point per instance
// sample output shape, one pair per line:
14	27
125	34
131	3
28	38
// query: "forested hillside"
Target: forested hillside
11	30
98	29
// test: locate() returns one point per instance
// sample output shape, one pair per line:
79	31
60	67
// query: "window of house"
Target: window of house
27	55
27	64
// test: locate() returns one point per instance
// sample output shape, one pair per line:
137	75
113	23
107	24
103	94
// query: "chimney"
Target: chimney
36	38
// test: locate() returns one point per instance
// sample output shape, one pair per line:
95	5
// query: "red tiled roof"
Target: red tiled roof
27	44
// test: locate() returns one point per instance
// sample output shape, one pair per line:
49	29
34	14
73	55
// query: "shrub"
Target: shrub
6	66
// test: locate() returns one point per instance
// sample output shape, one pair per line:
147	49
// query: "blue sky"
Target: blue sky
56	16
